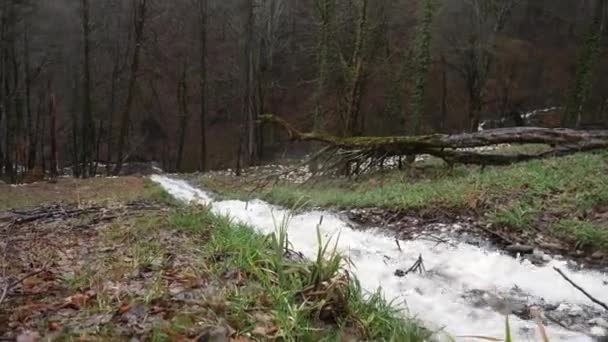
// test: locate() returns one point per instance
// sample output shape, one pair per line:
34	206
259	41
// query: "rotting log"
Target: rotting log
563	141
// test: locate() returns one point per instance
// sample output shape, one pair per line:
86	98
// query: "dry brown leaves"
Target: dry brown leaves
99	273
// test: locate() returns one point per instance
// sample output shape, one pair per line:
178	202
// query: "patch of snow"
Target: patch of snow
437	297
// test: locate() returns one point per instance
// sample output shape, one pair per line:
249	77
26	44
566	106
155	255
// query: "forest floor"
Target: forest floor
559	205
117	259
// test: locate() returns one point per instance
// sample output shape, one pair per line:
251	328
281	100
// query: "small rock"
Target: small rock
598	255
214	334
520	249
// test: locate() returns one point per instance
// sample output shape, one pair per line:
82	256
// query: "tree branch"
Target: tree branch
593	299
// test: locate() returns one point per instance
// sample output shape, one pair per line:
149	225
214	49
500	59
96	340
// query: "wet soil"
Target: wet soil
468	226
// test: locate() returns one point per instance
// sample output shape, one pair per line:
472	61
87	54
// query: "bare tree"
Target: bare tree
475	54
250	104
355	69
139	8
88	126
182	100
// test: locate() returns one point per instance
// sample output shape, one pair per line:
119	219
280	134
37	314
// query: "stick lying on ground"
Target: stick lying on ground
448	147
9	286
593	299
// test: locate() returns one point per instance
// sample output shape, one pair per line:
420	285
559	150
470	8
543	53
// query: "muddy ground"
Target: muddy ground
467	227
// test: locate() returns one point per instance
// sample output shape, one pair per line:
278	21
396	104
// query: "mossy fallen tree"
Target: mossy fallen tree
454	149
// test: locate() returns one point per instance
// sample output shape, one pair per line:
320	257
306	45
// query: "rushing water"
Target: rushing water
439	297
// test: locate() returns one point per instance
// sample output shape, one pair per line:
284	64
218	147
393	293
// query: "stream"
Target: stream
466	289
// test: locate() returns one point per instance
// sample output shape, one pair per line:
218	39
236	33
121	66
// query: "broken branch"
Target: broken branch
576	286
357	150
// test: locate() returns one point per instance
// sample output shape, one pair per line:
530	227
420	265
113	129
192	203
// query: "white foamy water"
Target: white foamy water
436	297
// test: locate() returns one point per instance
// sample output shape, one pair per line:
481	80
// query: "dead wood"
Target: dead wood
363	152
9	286
576	286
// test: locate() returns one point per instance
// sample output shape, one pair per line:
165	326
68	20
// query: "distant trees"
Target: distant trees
185	82
139	10
586	67
475	50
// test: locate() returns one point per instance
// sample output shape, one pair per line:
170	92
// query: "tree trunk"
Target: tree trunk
182	100
326	14
53	127
110	138
203	8
88	126
356	76
140	11
249	99
422	60
444	95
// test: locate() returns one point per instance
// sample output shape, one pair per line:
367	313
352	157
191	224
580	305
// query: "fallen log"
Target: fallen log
349	150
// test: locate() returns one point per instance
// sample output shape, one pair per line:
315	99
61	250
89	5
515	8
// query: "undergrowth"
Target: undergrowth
296	299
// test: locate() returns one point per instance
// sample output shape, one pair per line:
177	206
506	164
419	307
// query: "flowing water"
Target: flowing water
462	289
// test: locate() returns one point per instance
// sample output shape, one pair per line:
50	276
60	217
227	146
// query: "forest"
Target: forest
304	170
90	85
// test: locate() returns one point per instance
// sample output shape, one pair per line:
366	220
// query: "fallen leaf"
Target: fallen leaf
124	308
79	300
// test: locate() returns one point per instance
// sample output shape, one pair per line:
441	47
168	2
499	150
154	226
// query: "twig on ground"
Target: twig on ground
593	299
17	282
417	266
434	238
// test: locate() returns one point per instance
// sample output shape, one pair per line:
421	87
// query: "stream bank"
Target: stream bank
466	289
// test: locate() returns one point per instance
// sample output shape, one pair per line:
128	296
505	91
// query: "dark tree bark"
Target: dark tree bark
88	126
203	14
53	130
139	6
182	100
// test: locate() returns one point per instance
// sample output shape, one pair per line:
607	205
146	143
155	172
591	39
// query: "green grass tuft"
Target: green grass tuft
297	299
